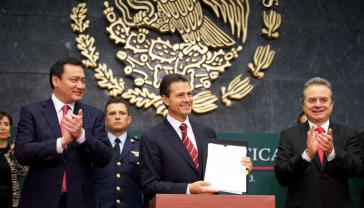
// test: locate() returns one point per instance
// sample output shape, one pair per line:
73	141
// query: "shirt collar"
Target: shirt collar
113	137
176	124
325	125
58	104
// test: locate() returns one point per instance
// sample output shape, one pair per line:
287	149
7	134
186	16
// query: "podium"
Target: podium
212	201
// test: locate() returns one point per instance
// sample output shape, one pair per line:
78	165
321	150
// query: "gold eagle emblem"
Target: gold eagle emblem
187	19
205	53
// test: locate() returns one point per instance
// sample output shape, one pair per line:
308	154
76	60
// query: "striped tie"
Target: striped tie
189	146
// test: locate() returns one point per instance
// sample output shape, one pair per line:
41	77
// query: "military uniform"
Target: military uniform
117	184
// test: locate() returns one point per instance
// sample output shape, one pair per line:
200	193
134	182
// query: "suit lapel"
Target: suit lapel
200	146
77	108
127	147
50	114
172	137
335	134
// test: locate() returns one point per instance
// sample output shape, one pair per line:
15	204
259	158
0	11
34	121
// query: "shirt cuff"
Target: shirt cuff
59	146
332	155
82	137
305	156
188	189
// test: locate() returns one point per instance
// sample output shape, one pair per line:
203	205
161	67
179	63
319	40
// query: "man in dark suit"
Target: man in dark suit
118	184
166	166
61	139
316	158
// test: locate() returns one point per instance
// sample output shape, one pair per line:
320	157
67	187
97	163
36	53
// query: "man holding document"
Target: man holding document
173	153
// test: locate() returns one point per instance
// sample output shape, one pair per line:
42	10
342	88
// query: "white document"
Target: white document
224	170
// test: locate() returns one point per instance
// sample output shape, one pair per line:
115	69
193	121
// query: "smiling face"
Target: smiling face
317	103
71	86
179	100
117	118
4	128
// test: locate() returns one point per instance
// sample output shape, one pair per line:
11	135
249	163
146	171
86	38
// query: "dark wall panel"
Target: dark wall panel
317	38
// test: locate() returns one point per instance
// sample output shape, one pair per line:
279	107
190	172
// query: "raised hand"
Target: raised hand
311	142
66	139
73	124
325	141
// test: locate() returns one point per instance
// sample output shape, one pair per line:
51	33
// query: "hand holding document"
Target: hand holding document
224	169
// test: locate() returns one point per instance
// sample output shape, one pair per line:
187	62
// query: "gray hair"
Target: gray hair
317	81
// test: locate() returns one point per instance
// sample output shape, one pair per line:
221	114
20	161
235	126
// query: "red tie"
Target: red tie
320	130
189	146
65	109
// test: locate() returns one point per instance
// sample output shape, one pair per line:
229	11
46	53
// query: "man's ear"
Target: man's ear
165	100
55	80
302	101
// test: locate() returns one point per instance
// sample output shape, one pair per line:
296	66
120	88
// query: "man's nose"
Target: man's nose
80	84
186	97
117	115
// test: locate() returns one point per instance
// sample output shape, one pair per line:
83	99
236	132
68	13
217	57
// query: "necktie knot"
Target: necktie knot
117	141
183	127
319	130
65	109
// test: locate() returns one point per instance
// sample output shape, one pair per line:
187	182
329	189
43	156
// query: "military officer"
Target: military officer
117	185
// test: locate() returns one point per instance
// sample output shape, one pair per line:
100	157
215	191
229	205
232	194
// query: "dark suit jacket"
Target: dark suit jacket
361	140
165	165
38	130
126	165
310	184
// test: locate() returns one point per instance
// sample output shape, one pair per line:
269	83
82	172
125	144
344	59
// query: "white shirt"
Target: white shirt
325	126
121	137
58	106
176	124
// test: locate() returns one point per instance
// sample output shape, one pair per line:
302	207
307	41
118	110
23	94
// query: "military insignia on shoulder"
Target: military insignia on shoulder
135	139
135	153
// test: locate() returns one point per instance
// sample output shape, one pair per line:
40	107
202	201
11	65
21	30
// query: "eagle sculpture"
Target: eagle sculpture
187	19
203	54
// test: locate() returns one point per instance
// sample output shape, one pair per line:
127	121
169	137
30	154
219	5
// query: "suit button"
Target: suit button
118	188
118	175
118	201
118	163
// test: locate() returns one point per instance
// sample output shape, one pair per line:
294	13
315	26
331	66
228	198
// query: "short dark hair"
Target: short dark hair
165	86
116	100
5	114
57	68
317	81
